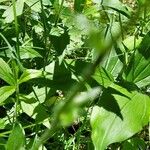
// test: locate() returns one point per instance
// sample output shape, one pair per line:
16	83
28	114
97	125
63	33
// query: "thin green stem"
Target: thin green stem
121	27
17	102
16	28
45	41
15	72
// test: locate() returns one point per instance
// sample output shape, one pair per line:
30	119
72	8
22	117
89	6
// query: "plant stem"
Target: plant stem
87	72
17	102
45	42
16	28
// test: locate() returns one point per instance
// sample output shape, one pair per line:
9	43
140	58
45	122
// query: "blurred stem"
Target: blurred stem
16	28
87	72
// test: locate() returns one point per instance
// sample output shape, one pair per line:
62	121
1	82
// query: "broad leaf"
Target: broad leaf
34	5
134	144
28	52
112	63
116	5
118	116
32	98
16	140
9	14
138	70
30	74
33	144
131	42
5	92
6	73
35	110
103	77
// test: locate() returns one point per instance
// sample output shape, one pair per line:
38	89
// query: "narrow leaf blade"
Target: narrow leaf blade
16	140
29	74
138	70
6	73
5	92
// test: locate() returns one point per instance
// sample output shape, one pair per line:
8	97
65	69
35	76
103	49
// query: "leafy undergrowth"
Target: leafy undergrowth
74	74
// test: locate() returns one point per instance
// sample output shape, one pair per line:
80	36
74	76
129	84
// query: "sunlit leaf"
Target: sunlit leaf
27	52
118	117
34	4
29	74
16	140
103	77
6	73
138	70
112	63
5	92
9	14
114	4
131	42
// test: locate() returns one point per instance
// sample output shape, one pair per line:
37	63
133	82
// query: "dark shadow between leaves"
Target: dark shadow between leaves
144	48
41	113
109	103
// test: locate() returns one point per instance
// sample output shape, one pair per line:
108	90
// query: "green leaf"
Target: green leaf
103	77
34	5
56	31
79	5
29	74
61	77
131	42
28	52
134	144
9	14
6	73
138	70
116	5
5	92
2	123
47	2
33	144
35	110
118	117
112	63
2	1
31	98
16	140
